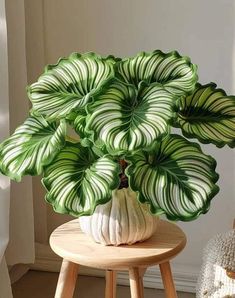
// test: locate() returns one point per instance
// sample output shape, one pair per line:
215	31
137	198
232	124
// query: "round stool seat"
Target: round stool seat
75	247
69	242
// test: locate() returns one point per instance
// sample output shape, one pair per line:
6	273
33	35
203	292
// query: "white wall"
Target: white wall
203	30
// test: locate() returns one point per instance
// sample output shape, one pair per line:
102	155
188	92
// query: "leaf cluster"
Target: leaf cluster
122	112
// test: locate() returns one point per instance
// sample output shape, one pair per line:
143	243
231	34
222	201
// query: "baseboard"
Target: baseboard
185	279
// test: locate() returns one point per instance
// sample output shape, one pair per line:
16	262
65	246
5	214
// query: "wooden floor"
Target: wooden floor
36	284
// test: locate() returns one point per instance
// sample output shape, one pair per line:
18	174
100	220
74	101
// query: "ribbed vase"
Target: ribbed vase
123	220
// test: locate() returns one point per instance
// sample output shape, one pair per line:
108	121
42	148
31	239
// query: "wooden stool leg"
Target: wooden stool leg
136	283
110	288
67	280
168	280
142	271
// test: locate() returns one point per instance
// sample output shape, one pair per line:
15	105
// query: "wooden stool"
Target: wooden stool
77	248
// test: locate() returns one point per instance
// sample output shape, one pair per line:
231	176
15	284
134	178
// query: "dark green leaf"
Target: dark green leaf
78	180
177	179
208	115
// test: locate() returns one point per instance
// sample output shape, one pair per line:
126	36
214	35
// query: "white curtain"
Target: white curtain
16	209
5	290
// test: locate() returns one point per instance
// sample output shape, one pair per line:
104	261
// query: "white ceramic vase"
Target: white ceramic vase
123	220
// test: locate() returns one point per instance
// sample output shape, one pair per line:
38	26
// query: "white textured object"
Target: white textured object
219	257
123	220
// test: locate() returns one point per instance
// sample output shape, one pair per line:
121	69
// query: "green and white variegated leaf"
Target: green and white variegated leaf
33	145
177	74
126	119
177	179
68	85
208	115
79	123
78	180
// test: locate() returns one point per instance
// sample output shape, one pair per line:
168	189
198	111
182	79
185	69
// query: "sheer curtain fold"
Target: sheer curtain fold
5	289
16	202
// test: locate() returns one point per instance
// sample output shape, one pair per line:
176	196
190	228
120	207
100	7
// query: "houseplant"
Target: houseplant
122	110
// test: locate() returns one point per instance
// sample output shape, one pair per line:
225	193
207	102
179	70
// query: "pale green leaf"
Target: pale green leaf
177	74
126	119
68	85
33	145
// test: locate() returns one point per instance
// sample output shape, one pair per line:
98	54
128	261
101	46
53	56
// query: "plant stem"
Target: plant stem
123	177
